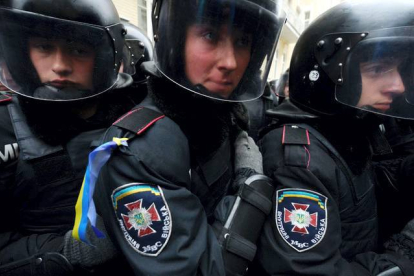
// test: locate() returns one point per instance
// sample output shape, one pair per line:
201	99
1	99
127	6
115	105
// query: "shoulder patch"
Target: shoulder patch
138	120
143	216
295	135
5	98
301	217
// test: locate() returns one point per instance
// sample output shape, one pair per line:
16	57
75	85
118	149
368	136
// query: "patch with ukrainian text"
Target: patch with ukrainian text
144	217
301	217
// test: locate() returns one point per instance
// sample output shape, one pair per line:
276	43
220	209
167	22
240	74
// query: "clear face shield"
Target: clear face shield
220	49
55	60
378	74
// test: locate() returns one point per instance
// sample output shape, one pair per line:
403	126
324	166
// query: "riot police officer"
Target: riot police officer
186	147
62	59
351	67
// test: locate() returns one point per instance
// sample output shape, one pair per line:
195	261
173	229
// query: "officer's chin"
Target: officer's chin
48	92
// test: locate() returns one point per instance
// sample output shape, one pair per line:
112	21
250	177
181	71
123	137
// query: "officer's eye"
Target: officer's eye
210	35
377	69
81	52
43	47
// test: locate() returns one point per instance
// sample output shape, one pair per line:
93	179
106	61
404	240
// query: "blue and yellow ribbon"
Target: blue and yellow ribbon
85	206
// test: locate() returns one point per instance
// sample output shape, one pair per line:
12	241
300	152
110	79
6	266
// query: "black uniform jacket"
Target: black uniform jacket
40	182
324	219
155	194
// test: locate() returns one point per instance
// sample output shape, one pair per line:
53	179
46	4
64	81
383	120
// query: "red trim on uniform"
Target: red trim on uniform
307	135
283	134
126	115
7	99
309	159
149	124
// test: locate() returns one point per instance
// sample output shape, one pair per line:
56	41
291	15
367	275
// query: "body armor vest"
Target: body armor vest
48	178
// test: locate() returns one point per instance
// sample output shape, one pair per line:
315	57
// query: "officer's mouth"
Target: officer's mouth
382	106
61	84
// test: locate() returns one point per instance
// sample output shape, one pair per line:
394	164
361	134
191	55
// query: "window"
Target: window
284	62
307	18
276	59
142	15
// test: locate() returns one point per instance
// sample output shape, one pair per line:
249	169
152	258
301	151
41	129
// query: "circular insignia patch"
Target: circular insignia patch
144	217
301	217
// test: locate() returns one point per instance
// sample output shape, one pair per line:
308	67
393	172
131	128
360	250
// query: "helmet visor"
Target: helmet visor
221	49
378	74
52	59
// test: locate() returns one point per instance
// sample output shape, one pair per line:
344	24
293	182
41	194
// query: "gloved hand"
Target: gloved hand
247	154
403	243
89	256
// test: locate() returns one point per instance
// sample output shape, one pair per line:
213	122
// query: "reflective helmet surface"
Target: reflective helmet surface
357	55
41	36
139	50
282	89
221	49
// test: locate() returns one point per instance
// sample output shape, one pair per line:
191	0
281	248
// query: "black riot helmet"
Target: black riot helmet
138	49
60	50
192	39
357	56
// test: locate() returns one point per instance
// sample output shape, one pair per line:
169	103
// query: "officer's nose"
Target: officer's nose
62	62
226	55
395	84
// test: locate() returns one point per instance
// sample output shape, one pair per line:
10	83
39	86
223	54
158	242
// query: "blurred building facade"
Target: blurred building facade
300	13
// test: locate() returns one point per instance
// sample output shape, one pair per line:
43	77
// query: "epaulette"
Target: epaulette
5	98
295	135
295	139
138	120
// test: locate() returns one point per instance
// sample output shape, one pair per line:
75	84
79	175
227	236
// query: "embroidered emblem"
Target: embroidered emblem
144	217
301	217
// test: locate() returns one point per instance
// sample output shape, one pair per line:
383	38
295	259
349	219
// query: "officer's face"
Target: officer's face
381	83
216	57
62	63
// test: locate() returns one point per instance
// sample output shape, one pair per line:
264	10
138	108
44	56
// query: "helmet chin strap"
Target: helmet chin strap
47	92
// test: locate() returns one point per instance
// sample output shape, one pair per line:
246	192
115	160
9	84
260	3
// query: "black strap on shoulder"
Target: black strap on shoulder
295	135
4	98
295	139
138	120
